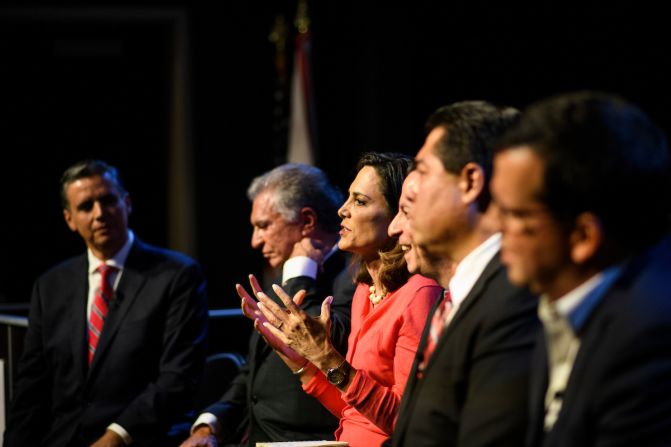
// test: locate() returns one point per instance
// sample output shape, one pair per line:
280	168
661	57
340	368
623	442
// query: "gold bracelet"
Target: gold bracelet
301	370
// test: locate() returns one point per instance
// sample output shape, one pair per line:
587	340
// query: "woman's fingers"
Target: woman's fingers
247	303
275	316
299	297
256	287
276	333
286	299
325	316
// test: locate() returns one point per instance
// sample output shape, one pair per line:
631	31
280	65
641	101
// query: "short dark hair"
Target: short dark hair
391	168
295	186
87	169
603	155
472	128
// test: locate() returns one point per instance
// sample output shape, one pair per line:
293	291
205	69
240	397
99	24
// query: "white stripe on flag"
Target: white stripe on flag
300	141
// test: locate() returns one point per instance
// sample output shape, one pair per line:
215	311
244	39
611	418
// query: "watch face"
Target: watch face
335	376
338	375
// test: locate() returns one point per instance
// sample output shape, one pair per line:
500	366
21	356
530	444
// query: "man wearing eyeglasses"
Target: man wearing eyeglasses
580	184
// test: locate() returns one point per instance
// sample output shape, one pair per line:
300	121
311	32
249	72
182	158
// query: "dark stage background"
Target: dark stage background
179	96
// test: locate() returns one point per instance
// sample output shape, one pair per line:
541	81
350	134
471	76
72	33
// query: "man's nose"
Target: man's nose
98	210
394	229
257	240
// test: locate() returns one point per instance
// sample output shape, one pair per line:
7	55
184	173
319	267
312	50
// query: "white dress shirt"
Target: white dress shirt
470	269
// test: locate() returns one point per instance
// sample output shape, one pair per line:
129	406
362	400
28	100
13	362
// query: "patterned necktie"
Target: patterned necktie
438	322
100	307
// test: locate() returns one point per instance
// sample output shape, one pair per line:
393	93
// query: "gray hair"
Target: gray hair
294	186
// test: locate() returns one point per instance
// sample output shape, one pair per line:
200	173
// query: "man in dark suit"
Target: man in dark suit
468	383
110	358
582	188
295	220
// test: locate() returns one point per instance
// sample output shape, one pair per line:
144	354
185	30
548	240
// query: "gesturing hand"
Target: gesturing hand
247	303
307	336
251	311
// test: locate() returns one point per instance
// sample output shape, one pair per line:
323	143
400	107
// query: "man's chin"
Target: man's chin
517	278
275	262
107	243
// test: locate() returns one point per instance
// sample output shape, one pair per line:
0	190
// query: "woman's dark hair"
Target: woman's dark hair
391	169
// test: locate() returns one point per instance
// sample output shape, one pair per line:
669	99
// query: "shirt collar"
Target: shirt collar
577	305
471	267
118	260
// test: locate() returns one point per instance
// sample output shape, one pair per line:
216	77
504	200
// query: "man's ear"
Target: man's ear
471	182
308	220
586	238
129	204
67	215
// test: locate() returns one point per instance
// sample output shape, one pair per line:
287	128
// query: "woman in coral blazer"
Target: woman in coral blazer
389	310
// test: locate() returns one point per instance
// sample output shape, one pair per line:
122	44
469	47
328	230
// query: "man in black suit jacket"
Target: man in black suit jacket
471	390
294	214
578	185
150	353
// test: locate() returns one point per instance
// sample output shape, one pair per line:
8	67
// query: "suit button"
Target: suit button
255	399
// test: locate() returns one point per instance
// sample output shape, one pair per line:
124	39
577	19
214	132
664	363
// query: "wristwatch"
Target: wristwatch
338	375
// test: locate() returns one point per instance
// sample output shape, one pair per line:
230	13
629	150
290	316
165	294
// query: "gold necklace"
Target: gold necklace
374	297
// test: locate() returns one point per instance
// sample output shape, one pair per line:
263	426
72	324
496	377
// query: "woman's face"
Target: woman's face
365	216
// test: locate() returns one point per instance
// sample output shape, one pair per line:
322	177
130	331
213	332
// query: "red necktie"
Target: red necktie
438	322
100	307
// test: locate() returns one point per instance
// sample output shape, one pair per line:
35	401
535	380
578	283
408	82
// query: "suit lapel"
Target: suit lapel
132	280
77	299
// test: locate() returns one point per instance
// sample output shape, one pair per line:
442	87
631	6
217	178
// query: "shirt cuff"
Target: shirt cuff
206	419
359	386
299	266
119	430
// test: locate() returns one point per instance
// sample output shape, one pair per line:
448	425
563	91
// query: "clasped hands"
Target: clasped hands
295	335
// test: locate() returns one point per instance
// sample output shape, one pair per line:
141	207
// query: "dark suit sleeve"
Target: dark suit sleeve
31	401
182	358
497	393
